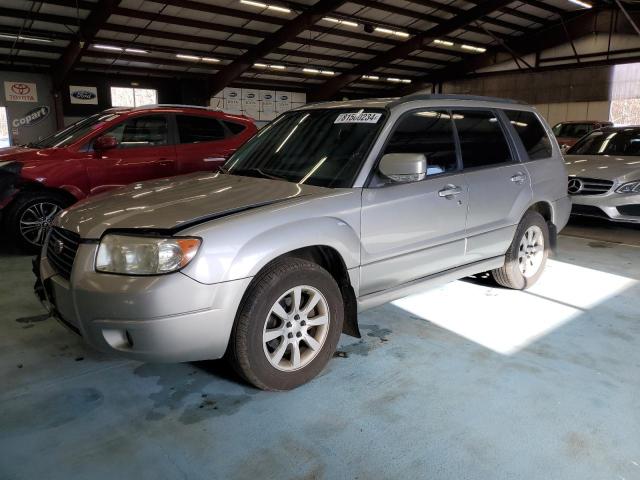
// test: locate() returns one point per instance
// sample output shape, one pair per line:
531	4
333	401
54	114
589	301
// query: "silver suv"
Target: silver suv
331	209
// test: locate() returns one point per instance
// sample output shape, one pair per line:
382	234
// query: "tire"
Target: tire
249	352
33	207
523	251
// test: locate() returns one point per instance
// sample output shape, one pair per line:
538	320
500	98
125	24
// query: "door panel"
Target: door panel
409	231
143	153
204	143
499	187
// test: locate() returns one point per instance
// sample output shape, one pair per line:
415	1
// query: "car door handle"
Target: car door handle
449	191
214	159
519	178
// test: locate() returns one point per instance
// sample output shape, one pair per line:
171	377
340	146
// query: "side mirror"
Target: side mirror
107	142
404	167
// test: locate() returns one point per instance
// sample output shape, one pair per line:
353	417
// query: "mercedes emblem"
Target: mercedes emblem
575	186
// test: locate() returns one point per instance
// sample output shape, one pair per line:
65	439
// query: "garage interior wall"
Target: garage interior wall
21	132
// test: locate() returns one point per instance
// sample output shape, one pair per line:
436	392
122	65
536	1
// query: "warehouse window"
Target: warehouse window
194	129
428	132
533	135
482	142
133	97
625	94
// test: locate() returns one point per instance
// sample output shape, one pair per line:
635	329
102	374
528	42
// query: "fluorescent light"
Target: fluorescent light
310	70
443	42
278	9
473	49
392	79
266	5
581	4
25	38
391	32
260	65
187	57
371	77
210	59
341	22
135	50
327	72
108	47
277	67
406	80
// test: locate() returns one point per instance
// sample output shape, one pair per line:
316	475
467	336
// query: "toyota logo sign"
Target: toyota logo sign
575	186
20	89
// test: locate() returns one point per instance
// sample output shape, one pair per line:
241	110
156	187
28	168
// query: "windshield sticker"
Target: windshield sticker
358	117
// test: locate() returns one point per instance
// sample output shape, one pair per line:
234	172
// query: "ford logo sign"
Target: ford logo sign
83	95
268	97
251	95
233	94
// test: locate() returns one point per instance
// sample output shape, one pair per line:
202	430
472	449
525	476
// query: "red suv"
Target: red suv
108	150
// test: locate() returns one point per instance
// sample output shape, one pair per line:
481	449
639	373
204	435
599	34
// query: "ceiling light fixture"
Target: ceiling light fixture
581	4
210	59
443	42
274	67
187	57
266	6
310	70
341	22
473	49
135	50
398	80
25	38
391	32
370	77
108	47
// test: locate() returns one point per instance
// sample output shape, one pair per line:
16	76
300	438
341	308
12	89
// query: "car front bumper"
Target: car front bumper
617	207
166	318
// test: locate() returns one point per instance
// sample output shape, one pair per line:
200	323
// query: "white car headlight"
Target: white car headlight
631	187
140	255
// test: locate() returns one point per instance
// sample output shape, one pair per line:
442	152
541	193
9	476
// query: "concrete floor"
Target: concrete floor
465	381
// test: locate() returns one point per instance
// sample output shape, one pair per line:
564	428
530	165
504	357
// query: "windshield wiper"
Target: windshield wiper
252	171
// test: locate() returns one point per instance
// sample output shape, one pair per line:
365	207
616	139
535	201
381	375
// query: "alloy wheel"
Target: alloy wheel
531	251
36	220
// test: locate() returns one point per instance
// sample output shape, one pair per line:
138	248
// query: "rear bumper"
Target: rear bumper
611	206
168	318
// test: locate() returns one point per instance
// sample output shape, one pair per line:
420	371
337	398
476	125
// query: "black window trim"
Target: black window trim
524	155
516	157
374	168
227	133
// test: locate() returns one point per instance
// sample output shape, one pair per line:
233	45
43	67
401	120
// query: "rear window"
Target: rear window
194	129
533	135
482	142
234	127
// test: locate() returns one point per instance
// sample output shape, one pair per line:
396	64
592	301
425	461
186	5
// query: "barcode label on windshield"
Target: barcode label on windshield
362	117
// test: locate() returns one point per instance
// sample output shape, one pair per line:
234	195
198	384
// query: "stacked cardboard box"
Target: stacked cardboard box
258	104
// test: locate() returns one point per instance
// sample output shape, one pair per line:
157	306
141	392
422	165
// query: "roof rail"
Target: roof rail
161	105
442	96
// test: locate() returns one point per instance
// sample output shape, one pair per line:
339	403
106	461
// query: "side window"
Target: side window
428	132
531	132
194	129
146	131
234	127
482	141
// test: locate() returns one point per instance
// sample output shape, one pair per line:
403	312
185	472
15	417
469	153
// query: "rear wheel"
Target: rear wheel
288	325
527	254
30	216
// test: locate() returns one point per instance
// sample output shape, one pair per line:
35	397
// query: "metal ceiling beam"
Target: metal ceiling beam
331	87
455	11
576	24
89	27
545	6
285	34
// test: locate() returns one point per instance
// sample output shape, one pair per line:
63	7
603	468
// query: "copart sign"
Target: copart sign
32	117
20	92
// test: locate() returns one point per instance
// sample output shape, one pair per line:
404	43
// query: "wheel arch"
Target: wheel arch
545	209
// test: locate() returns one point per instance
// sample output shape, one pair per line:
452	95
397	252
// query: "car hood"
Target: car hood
607	167
567	141
177	202
25	154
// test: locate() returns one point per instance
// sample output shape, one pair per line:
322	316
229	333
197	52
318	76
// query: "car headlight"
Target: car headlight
631	187
140	255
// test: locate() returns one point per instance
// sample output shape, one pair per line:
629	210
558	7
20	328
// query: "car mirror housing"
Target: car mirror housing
404	167
106	142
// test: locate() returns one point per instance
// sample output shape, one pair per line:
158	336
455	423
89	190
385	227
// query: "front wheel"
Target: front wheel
527	254
288	325
30	216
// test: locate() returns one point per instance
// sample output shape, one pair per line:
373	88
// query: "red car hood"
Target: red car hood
24	154
567	141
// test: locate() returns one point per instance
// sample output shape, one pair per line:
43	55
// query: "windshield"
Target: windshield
621	142
317	147
73	132
572	130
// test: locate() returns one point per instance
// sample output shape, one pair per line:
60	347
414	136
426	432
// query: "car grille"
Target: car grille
588	186
61	250
630	210
588	210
